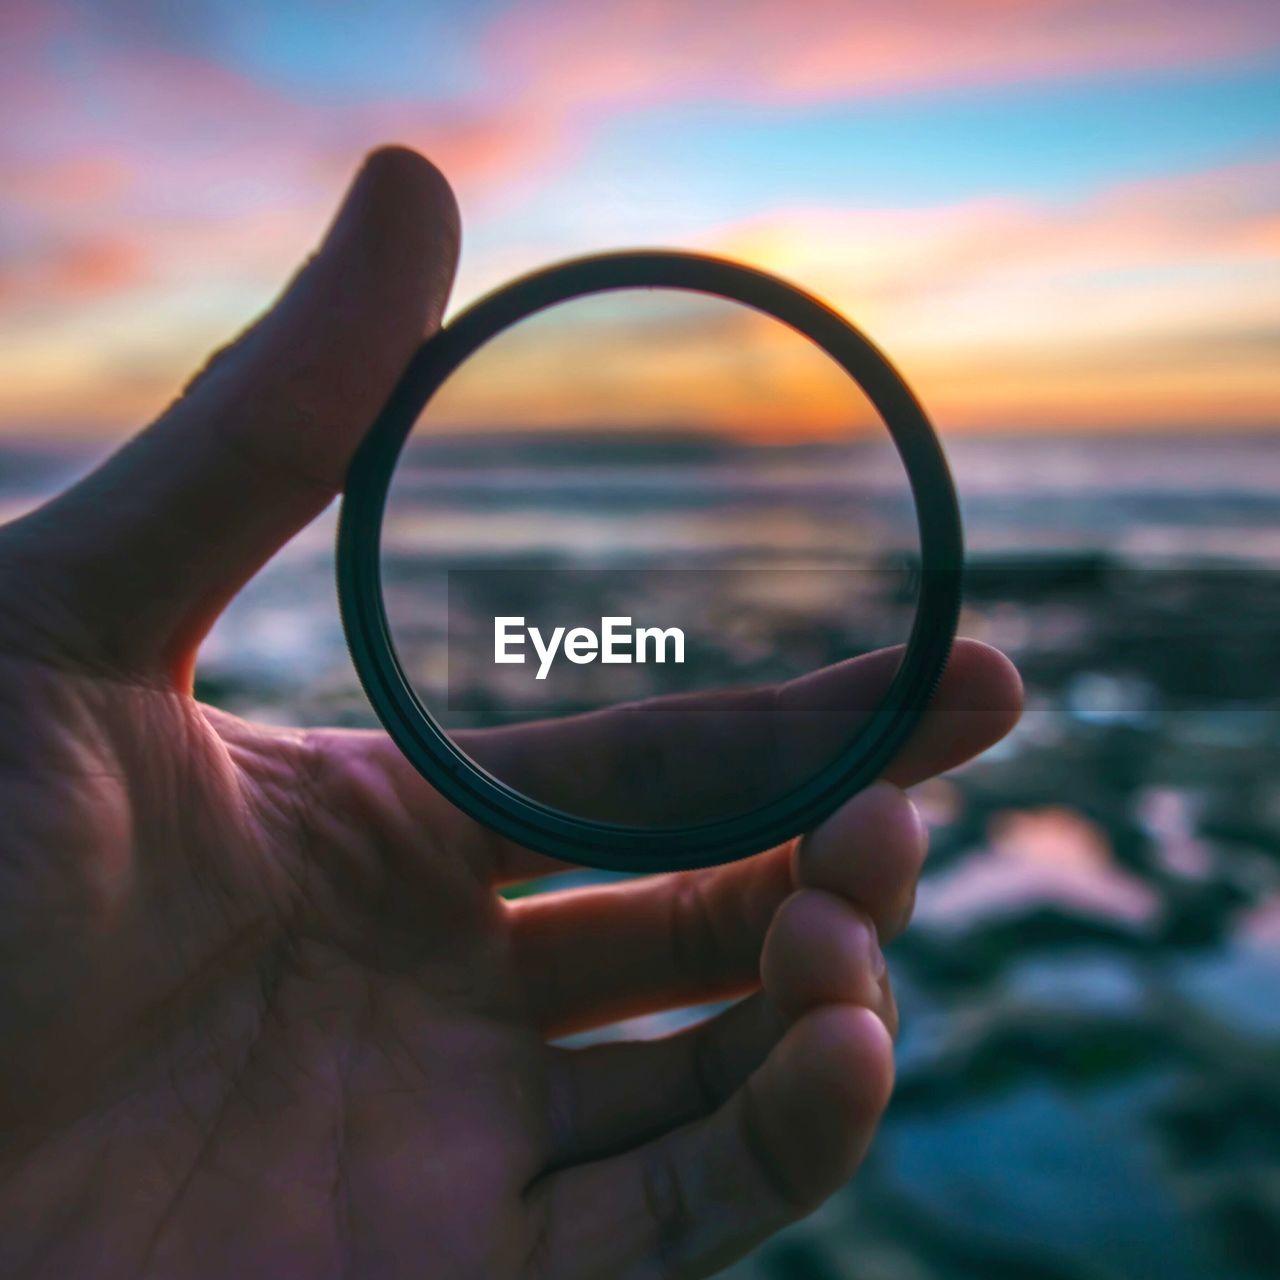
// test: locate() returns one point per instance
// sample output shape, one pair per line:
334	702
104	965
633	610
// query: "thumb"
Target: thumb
142	555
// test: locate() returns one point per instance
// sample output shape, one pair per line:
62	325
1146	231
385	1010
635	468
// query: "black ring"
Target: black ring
543	827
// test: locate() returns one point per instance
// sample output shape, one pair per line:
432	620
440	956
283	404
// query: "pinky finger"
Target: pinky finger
690	1202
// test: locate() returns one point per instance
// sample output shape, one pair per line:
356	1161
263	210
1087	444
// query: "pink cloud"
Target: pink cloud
1219	216
70	180
582	52
147	175
100	264
75	270
142	129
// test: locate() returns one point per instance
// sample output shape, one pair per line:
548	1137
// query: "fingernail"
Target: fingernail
875	957
906	912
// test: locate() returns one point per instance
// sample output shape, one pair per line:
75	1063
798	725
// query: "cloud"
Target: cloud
1152	303
1142	304
78	268
152	194
585	51
1219	215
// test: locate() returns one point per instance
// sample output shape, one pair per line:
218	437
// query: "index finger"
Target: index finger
696	757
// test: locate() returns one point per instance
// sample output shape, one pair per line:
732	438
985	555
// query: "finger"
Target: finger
819	950
977	702
690	1202
615	1095
149	548
601	954
696	757
822	949
879	874
688	758
701	755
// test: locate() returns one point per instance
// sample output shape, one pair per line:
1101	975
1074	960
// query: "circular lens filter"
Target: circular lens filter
650	561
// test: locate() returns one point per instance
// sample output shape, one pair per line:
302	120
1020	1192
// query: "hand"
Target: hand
262	1012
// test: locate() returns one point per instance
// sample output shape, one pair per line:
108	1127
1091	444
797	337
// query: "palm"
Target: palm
266	937
262	1009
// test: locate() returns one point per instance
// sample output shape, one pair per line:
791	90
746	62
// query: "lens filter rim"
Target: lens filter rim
542	827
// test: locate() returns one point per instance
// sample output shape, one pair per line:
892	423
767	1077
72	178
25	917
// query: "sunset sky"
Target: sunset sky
1052	213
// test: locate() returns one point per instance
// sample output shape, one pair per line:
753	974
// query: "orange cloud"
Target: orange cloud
98	265
1153	302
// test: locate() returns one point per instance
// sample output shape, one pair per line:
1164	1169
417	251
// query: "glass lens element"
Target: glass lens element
626	542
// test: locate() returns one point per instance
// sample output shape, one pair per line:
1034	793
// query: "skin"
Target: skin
262	1011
